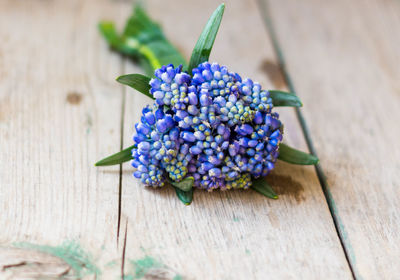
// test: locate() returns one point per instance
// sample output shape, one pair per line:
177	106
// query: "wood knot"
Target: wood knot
74	98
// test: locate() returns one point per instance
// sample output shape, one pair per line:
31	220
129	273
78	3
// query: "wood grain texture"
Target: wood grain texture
16	263
60	111
233	234
343	57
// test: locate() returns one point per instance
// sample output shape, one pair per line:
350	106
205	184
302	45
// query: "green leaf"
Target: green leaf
138	82
144	41
107	29
294	156
120	157
202	49
185	185
261	186
185	197
281	98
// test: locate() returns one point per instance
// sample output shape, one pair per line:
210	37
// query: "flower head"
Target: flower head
158	147
213	126
146	157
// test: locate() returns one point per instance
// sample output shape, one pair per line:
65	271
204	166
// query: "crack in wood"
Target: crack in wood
121	148
19	263
7	266
123	252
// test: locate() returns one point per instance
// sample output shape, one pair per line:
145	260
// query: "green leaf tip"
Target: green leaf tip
261	186
281	98
117	158
184	185
107	29
143	40
185	197
203	47
138	82
294	156
148	39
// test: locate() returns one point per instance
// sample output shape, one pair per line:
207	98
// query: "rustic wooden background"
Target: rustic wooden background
61	111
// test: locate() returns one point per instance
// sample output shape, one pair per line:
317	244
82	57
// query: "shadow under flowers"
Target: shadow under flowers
290	182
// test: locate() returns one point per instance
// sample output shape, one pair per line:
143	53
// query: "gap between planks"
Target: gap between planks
124	92
124	251
341	232
121	147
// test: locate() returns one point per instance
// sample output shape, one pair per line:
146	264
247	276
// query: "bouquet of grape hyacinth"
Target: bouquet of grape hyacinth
208	128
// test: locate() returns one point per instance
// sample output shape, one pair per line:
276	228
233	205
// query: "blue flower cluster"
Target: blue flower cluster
213	126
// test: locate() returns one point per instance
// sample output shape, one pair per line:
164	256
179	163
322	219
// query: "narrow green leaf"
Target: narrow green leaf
120	157
185	185
294	156
138	82
202	49
281	98
185	197
261	186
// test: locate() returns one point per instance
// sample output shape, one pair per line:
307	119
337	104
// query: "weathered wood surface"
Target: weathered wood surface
343	58
59	110
234	234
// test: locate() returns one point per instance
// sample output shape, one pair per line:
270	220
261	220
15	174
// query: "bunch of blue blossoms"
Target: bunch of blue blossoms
212	126
207	128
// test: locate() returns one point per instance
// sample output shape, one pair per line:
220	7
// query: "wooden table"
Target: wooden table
61	111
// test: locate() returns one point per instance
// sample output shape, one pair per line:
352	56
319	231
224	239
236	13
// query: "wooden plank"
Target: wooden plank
60	111
343	58
233	234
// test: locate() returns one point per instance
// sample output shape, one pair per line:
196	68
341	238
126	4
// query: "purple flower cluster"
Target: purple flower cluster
212	126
